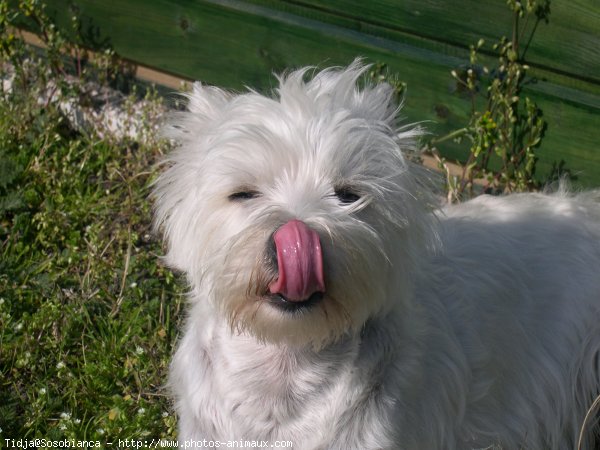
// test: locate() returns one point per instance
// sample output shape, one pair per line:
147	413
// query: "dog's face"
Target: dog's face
296	215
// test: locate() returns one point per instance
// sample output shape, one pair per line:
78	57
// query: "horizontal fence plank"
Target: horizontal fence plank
235	44
569	44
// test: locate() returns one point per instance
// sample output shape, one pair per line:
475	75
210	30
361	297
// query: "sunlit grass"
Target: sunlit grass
88	314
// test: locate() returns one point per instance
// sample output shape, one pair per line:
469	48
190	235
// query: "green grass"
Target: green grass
88	314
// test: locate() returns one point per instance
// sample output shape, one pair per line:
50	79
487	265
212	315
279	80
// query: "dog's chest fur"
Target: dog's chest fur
331	399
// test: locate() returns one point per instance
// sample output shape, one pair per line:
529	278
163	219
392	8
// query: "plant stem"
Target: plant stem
454	134
515	36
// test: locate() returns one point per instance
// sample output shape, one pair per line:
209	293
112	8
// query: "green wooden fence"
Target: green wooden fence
234	43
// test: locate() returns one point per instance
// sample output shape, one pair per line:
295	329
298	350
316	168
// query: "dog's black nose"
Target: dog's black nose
271	253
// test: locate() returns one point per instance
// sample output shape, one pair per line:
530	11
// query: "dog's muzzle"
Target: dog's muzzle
299	264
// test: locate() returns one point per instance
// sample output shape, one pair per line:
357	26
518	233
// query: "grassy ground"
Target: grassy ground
88	315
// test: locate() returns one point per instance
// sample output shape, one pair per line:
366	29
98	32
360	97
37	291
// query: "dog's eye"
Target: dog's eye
243	195
346	195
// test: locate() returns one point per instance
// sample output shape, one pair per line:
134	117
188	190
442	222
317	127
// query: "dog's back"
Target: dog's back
519	277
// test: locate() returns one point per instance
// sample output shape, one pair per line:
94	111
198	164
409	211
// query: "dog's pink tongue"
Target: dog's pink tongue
299	261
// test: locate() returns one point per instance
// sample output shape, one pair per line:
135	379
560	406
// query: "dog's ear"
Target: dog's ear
376	102
205	105
207	101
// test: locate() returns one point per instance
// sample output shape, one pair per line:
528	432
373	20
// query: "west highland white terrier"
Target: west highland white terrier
333	306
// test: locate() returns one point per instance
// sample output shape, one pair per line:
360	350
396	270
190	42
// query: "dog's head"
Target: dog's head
297	215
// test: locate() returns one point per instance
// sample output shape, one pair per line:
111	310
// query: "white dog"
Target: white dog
333	307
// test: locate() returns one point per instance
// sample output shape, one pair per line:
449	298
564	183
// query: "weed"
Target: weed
505	133
87	312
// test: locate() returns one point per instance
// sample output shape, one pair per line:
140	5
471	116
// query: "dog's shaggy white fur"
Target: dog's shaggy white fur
334	307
